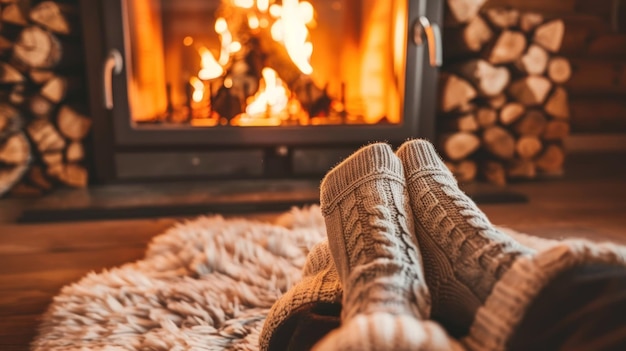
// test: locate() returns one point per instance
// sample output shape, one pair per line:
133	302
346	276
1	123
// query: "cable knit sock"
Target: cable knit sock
481	280
365	207
464	255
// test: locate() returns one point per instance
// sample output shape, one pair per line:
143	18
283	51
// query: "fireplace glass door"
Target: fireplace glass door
264	63
267	72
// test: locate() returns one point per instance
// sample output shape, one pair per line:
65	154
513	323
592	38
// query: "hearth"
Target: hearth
254	88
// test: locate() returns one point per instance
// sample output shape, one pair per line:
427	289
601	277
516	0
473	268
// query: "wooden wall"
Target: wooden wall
595	44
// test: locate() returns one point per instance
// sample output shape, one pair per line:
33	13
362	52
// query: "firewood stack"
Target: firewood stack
41	129
503	111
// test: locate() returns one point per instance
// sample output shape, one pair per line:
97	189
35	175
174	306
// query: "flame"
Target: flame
246	4
210	69
198	89
291	30
221	27
253	21
262	5
271	99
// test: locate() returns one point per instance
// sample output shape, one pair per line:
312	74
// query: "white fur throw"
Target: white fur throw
206	284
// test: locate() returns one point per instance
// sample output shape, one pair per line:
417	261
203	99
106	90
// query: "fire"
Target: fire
210	68
246	4
198	89
291	30
221	27
272	99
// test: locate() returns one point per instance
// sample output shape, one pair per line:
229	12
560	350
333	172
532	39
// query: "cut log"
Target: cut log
534	61
5	44
37	48
529	21
533	123
499	142
54	90
467	39
463	123
70	174
559	70
37	177
486	117
16	13
557	105
9	75
15	150
58	88
531	90
503	18
527	147
9	177
497	101
59	18
551	160
454	92
72	124
509	47
75	152
11	121
17	97
511	112
464	171
550	35
494	172
488	80
40	76
45	136
458	146
52	159
462	11
556	130
521	169
22	190
40	107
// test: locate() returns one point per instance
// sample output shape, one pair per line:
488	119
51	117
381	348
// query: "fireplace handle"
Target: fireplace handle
112	65
431	32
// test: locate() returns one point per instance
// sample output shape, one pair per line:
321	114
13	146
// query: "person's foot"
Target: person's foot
464	255
370	234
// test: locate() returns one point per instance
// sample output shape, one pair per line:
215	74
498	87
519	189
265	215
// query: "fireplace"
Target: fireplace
254	88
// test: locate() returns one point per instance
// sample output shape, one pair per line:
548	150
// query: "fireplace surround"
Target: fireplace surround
172	143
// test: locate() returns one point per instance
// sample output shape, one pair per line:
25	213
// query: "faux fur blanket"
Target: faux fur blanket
206	284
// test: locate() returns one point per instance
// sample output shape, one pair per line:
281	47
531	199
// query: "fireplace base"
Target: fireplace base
179	199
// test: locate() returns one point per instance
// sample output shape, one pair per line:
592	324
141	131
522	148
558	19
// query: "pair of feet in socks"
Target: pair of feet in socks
408	246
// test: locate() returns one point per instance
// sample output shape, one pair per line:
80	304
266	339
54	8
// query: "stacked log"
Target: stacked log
41	128
503	111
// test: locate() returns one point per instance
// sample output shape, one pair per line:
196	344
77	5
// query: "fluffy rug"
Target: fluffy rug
206	284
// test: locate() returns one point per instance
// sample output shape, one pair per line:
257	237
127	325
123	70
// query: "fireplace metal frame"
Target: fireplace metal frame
113	134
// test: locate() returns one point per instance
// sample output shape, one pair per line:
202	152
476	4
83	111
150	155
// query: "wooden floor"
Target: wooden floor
37	260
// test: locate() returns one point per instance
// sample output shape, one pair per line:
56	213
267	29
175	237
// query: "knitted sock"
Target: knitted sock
365	207
481	280
309	309
464	255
